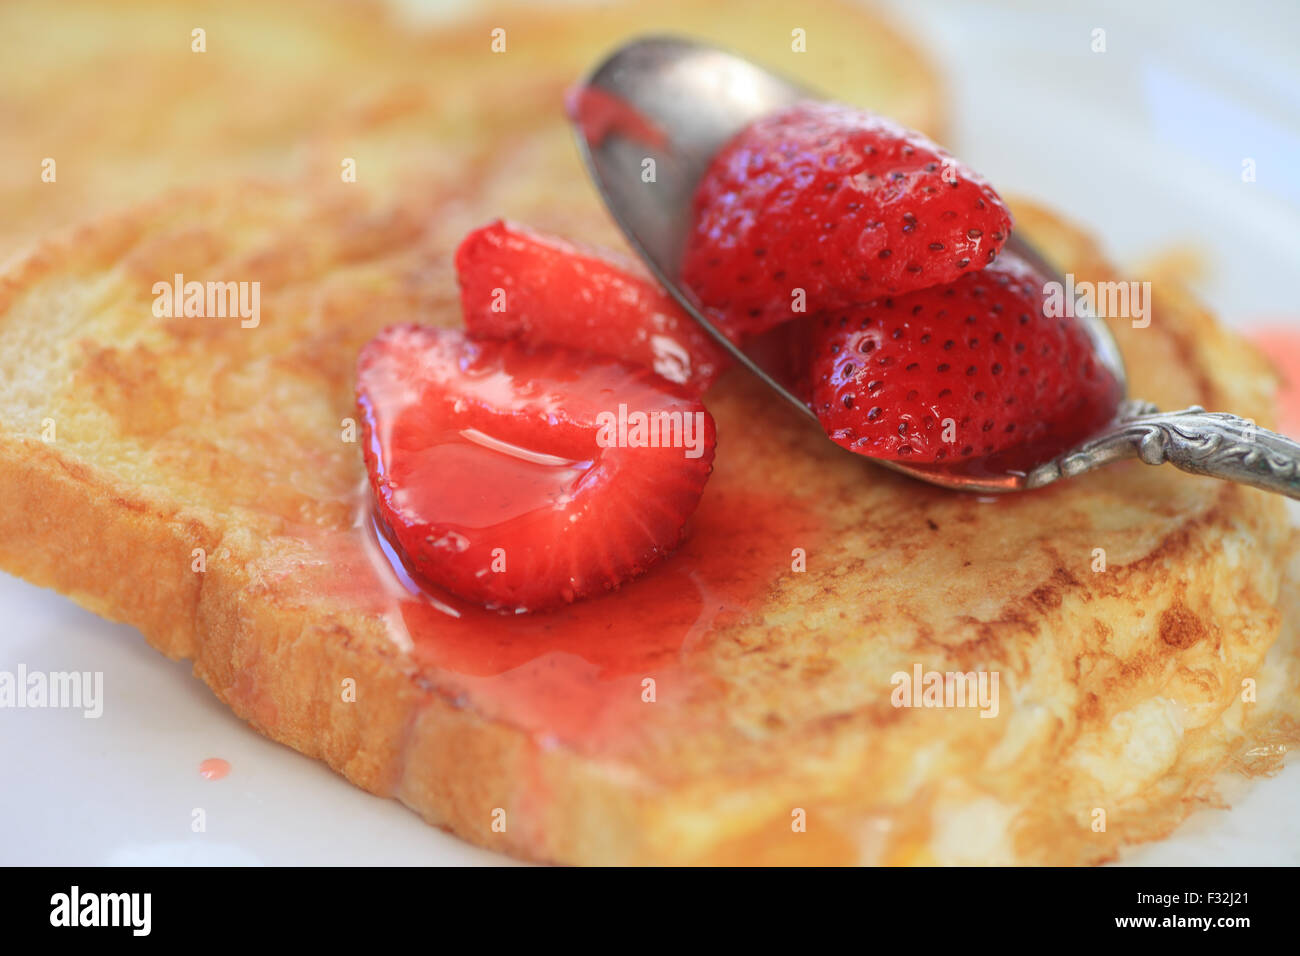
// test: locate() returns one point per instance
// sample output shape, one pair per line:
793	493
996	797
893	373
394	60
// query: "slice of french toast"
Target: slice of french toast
199	476
201	479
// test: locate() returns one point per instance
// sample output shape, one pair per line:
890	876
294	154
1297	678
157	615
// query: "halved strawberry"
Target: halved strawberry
959	372
836	206
499	469
517	283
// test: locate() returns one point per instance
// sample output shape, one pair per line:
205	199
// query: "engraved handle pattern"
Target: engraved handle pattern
1203	443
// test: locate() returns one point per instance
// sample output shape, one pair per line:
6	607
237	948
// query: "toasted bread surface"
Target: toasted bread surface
810	578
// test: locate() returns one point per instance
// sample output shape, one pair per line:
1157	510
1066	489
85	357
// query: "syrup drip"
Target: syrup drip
214	768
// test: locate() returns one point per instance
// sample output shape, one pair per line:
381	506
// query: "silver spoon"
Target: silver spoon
699	97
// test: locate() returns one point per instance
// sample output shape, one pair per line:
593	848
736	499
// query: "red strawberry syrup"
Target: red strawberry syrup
575	676
600	113
506	480
214	768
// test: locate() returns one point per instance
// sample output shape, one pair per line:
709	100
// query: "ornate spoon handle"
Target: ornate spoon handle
1203	443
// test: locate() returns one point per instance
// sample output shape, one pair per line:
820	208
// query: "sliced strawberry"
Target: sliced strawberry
959	372
489	464
516	283
841	204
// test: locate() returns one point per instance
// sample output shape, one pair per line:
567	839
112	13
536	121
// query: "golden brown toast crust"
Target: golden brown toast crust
1120	689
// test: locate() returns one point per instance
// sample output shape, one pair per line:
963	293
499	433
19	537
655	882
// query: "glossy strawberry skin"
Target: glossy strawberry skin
959	372
518	283
486	468
842	204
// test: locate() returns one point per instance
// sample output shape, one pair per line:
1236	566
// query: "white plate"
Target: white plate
1144	143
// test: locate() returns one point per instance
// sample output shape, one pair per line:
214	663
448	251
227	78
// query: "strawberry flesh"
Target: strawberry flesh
840	204
959	372
517	283
488	467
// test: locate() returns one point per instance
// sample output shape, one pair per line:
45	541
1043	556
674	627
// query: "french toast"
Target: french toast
199	479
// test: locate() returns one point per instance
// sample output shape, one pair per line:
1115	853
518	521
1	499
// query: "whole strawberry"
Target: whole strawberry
821	206
959	372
